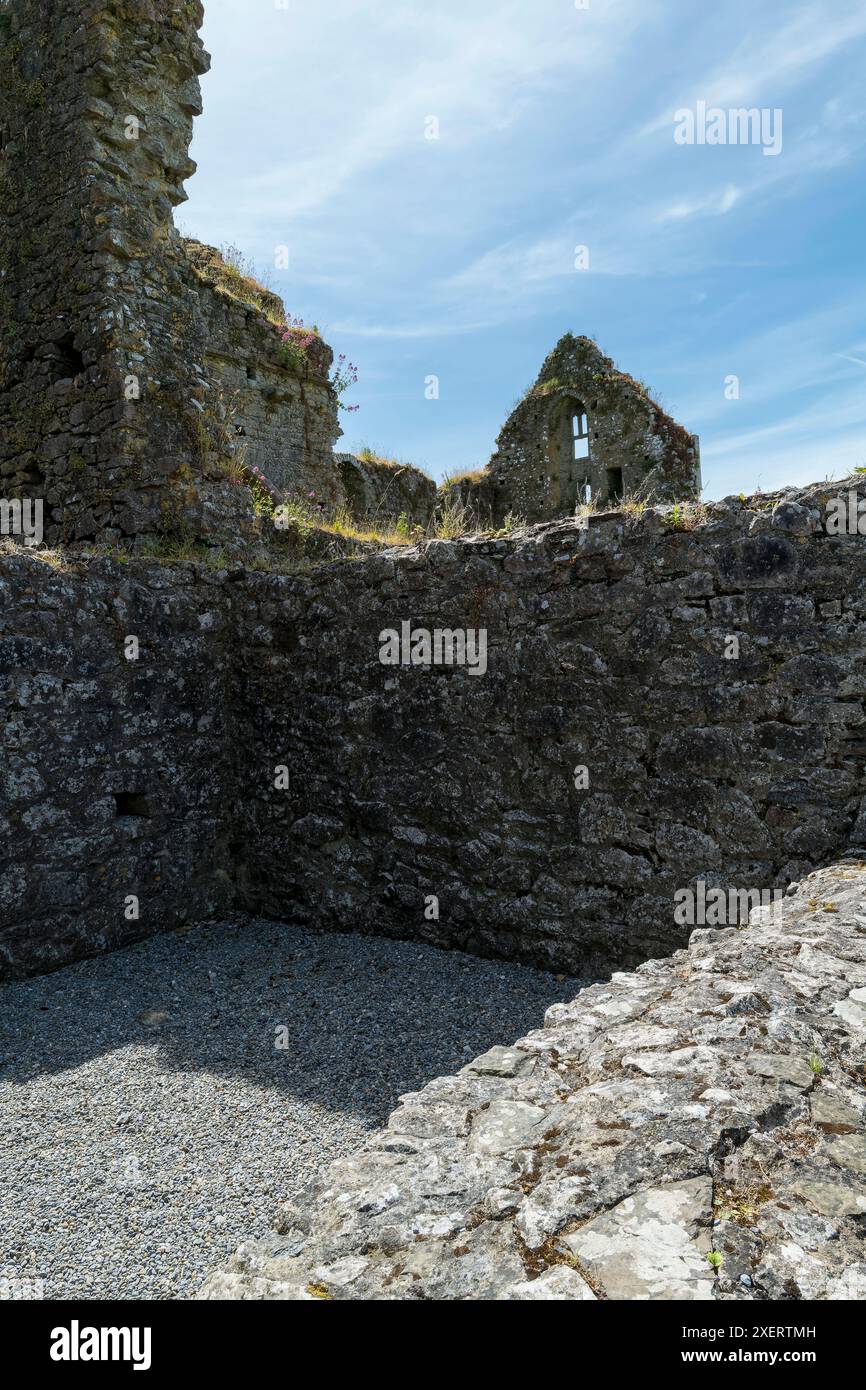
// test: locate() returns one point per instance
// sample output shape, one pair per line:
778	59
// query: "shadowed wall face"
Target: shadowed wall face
612	754
545	808
115	784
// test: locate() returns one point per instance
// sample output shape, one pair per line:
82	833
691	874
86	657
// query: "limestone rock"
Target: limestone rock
653	1245
579	1178
556	1285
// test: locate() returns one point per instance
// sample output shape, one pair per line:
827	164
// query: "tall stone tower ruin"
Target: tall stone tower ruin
111	383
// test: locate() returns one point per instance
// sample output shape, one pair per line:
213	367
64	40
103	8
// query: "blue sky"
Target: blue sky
455	257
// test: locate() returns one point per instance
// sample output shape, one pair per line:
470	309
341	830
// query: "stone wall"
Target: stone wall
606	652
278	415
709	1105
385	491
115	777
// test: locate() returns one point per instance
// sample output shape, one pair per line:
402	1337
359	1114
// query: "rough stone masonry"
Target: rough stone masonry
670	697
661	706
691	1131
130	378
611	754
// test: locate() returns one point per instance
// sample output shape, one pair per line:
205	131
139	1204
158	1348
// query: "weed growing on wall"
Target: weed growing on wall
299	345
454	519
264	503
302	350
237	275
345	376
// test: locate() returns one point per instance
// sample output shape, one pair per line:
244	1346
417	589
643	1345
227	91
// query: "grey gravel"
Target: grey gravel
149	1122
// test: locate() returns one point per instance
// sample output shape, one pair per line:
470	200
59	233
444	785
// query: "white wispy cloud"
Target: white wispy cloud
475	69
764	62
433	328
710	205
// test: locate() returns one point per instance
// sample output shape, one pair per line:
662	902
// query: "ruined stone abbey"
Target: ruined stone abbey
140	370
672	696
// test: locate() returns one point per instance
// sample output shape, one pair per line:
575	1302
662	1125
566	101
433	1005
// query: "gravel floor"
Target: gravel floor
150	1119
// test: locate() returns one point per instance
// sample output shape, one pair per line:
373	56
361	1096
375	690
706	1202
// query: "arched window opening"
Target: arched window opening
573	480
580	435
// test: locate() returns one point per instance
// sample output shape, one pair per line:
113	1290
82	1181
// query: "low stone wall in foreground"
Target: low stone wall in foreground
711	1102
